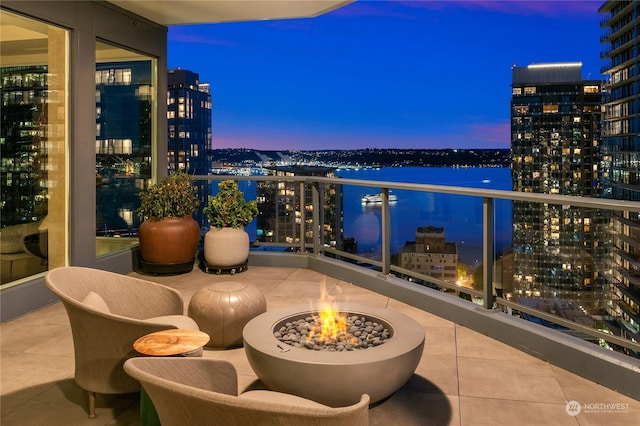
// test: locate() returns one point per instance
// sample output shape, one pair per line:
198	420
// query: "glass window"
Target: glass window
125	84
33	147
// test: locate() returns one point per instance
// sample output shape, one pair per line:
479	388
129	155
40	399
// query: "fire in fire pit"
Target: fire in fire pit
330	331
314	374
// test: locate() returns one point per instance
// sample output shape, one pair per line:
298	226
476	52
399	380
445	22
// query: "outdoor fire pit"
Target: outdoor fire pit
331	377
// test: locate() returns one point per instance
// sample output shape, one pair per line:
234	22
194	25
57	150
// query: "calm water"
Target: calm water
461	216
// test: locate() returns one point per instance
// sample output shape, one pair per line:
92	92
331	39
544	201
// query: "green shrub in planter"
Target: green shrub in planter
173	196
228	208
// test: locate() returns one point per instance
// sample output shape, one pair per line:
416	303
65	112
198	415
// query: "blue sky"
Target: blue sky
382	74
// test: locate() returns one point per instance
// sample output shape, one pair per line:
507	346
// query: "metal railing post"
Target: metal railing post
303	237
315	194
386	233
487	252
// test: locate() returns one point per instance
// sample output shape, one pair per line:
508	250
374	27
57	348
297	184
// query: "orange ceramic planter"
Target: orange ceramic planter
170	240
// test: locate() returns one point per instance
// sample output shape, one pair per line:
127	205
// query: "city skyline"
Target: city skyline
381	74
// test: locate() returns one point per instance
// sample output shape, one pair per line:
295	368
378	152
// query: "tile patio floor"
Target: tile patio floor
464	378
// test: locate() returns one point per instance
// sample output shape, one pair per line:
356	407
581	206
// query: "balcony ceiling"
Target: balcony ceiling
185	12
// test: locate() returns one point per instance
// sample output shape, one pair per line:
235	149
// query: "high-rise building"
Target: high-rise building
189	120
283	208
559	251
123	143
23	167
189	132
23	148
621	154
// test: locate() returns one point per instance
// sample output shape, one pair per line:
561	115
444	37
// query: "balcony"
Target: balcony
482	364
464	377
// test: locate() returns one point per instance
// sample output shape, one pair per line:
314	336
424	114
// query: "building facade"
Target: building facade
123	144
189	120
23	151
71	44
431	255
189	129
558	251
286	209
23	161
621	154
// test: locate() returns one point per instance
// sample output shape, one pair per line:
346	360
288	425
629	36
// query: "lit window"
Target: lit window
521	109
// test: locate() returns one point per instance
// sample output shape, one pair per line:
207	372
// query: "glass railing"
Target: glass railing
558	261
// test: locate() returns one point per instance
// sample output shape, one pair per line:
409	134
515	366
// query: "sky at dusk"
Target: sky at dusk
382	74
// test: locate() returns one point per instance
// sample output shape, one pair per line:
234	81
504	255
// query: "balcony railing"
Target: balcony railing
556	328
308	223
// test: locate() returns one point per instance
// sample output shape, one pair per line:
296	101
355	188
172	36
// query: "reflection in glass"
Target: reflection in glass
33	82
124	123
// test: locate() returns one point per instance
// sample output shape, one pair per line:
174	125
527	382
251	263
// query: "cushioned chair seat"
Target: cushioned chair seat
178	321
279	398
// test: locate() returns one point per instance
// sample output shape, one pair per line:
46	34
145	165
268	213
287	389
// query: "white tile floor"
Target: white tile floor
464	378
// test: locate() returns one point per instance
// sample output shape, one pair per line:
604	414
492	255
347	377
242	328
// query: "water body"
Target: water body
461	216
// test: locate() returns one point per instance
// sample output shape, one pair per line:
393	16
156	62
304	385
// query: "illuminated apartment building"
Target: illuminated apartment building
123	143
621	142
23	149
189	119
559	252
431	255
283	208
189	132
23	165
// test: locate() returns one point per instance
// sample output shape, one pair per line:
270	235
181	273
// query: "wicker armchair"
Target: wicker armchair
204	392
108	312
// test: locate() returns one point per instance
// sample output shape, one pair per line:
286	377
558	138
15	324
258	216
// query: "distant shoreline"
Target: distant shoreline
364	157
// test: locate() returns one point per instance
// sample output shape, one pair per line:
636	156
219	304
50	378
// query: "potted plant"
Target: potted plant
226	244
169	235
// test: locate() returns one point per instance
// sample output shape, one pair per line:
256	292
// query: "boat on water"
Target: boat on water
377	198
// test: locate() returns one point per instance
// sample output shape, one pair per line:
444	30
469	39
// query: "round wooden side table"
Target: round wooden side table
171	342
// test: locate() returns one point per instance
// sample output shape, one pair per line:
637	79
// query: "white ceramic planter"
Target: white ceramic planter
226	247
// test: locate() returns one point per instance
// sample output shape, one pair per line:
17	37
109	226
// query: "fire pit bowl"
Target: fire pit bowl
335	379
